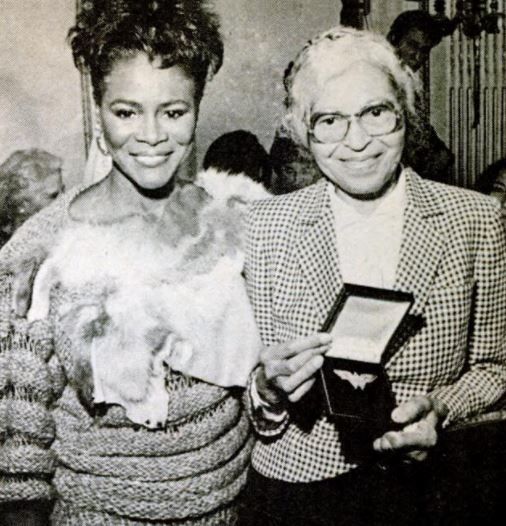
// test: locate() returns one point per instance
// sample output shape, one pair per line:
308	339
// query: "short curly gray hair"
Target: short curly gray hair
332	52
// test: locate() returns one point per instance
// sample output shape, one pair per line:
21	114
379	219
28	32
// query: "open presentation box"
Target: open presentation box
362	322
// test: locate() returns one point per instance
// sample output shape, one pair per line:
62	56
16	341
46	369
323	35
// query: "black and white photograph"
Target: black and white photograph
188	190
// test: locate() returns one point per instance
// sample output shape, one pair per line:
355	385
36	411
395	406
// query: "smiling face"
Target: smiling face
359	164
148	118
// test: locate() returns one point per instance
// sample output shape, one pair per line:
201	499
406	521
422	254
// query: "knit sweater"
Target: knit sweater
101	468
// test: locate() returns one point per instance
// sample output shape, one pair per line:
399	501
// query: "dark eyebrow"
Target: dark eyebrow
385	103
126	102
139	106
172	102
316	116
338	113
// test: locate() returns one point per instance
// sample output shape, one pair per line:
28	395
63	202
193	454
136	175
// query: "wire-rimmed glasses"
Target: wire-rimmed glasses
375	120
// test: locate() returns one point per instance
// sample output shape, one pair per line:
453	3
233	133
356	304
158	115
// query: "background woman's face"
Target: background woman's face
359	164
148	117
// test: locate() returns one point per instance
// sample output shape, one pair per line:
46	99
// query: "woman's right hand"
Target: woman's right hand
287	370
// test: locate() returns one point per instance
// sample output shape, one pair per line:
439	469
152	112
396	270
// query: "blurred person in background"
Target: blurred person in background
414	34
492	181
238	152
29	181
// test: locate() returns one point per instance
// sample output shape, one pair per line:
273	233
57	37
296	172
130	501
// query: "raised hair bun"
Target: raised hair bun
178	31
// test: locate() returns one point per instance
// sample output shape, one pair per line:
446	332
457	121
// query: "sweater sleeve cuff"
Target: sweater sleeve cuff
21	488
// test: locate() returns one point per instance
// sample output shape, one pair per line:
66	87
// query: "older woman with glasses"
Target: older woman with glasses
368	221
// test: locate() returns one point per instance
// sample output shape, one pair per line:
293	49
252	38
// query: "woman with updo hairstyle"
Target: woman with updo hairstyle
121	391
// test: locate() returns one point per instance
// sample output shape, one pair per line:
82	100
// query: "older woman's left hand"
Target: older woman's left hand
420	417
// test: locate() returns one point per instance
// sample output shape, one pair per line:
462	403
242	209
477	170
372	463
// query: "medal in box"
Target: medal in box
357	396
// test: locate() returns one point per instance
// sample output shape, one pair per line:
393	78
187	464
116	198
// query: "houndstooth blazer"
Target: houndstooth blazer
453	260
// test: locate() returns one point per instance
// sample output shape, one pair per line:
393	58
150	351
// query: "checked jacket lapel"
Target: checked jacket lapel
422	243
317	253
422	248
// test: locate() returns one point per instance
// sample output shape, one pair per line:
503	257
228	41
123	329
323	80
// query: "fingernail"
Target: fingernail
318	361
397	416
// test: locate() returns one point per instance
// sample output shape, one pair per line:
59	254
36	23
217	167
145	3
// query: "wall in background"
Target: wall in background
39	87
40	91
261	37
453	78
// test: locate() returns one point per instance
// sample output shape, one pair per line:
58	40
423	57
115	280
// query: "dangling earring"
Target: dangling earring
102	146
99	135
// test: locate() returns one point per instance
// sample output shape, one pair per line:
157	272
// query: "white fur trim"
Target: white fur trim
222	185
155	295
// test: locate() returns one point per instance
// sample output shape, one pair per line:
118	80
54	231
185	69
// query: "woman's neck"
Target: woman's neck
116	198
129	198
362	206
367	204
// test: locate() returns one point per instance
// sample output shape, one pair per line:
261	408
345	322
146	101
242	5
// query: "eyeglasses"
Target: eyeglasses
380	119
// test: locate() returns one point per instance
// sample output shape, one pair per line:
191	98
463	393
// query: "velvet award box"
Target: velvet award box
363	323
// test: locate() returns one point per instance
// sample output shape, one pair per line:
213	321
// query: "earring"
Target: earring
99	134
102	146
